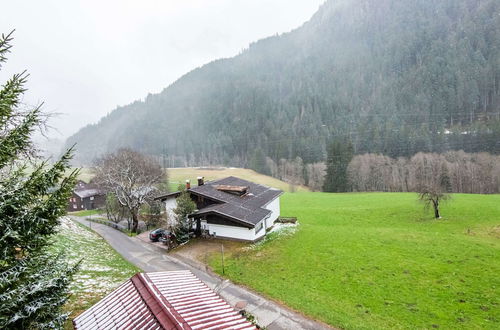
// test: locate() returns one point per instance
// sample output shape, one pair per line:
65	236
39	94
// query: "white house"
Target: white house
231	207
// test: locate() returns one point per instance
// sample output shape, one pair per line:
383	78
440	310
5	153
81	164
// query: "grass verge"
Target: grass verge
102	268
86	213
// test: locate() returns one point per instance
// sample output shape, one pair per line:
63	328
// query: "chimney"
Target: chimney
201	181
188	184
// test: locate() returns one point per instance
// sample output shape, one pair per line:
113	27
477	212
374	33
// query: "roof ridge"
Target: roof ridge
170	300
162	310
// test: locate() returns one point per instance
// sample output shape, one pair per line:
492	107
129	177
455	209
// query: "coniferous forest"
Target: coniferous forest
391	77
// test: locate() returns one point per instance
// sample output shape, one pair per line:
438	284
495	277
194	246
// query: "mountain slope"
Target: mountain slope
395	76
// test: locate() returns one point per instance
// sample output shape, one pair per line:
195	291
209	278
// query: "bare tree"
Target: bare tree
455	171
433	195
316	174
131	177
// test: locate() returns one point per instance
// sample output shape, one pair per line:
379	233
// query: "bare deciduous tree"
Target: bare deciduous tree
131	177
433	195
316	175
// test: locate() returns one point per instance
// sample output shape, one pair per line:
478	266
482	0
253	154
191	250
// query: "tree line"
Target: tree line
457	171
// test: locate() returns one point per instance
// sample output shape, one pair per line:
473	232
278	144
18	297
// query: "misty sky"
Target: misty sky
87	57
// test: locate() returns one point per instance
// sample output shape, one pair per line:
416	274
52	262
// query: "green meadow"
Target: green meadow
178	176
379	260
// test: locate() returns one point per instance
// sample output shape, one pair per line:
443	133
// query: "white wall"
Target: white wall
274	207
234	232
262	231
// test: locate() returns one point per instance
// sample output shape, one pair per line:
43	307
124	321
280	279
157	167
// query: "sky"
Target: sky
87	57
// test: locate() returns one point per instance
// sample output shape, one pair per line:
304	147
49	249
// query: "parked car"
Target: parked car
155	235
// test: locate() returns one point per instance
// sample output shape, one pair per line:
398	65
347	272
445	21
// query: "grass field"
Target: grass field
86	213
102	269
86	174
179	175
378	260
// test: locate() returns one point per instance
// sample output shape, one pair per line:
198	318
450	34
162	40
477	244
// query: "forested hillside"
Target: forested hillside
394	76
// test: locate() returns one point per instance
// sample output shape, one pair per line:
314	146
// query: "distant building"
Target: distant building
231	207
86	197
164	300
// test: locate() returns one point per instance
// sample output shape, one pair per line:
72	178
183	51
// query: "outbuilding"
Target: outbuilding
86	197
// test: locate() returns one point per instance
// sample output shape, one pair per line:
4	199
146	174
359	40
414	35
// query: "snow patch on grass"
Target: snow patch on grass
69	227
284	228
279	230
85	283
102	269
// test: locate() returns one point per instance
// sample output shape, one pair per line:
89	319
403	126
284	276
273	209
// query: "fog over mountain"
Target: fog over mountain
86	57
392	76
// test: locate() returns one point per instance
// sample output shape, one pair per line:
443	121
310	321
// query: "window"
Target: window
259	227
74	206
91	198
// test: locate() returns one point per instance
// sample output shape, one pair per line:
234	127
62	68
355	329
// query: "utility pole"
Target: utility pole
222	255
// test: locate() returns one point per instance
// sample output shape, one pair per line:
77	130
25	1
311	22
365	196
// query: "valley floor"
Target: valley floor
378	260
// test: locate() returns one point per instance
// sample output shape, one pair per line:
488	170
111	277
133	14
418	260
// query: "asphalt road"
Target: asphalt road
152	259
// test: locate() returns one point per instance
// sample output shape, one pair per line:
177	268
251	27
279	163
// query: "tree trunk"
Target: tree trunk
436	210
135	220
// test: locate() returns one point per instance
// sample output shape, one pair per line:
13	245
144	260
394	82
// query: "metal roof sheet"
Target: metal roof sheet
163	300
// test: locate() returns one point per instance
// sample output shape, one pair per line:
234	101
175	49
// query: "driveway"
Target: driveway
152	259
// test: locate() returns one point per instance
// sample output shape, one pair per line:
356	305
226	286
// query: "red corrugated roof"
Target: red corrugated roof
164	300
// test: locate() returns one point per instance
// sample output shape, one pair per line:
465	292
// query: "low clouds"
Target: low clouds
87	57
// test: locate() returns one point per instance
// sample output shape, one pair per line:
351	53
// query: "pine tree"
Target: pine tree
340	154
34	282
185	206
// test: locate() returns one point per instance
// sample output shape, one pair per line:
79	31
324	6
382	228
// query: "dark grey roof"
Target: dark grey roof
240	214
165	196
247	208
84	193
